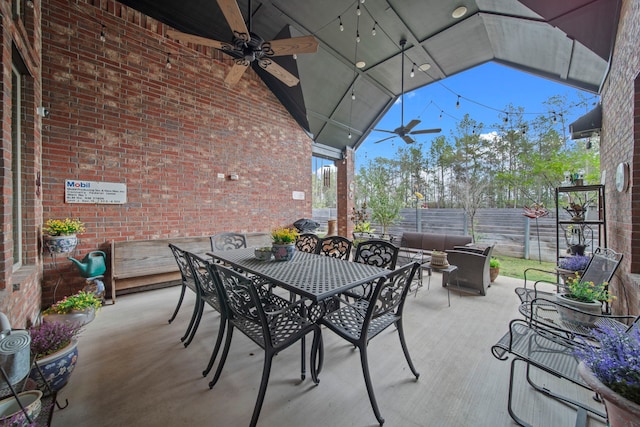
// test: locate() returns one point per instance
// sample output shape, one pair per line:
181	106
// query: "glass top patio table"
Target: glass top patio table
316	277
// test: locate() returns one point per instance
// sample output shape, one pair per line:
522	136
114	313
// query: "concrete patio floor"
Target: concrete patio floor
133	370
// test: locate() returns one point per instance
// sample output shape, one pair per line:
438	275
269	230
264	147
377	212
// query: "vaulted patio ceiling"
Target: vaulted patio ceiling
567	41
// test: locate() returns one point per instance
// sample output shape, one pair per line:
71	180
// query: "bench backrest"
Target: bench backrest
432	241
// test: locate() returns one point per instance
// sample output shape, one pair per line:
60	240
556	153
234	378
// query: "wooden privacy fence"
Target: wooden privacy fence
514	234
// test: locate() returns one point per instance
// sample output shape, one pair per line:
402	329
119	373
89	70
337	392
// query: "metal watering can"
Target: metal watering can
92	265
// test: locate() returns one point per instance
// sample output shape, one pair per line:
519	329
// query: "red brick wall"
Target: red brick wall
620	142
119	115
20	289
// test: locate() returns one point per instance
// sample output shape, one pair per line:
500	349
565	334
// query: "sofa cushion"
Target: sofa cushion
432	241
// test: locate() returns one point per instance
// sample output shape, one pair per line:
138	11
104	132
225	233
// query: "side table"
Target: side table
446	276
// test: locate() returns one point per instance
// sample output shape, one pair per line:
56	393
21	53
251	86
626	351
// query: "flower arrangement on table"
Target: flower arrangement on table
78	302
48	338
615	361
284	236
587	291
62	227
574	263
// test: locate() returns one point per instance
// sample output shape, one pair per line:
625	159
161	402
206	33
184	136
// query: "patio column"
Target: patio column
345	197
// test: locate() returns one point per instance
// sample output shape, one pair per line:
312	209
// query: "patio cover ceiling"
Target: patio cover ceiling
567	41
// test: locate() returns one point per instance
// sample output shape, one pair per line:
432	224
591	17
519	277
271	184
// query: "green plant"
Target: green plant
49	337
494	263
61	227
587	291
284	235
363	227
80	301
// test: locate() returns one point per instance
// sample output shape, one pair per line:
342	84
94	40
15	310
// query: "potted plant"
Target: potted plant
77	308
612	369
54	349
494	268
569	266
283	245
60	234
584	296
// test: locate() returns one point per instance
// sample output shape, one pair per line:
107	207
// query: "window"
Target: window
16	169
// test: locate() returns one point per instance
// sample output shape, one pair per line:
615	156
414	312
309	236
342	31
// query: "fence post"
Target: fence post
527	236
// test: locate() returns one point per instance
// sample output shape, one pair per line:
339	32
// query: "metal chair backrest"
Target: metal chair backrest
227	241
183	266
380	253
307	242
205	278
335	246
389	294
602	266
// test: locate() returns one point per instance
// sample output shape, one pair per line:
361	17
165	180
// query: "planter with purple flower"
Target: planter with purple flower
569	266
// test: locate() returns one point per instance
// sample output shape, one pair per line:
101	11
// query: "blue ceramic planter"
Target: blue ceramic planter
283	252
56	368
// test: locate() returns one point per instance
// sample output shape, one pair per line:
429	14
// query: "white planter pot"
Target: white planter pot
586	318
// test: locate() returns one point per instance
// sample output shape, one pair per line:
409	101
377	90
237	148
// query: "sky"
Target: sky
485	91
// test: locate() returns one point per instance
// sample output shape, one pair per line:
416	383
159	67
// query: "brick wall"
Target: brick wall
118	114
620	142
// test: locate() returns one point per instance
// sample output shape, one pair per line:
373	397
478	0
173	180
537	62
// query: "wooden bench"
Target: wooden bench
139	263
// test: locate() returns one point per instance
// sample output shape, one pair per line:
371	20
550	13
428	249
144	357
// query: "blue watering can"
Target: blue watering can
92	265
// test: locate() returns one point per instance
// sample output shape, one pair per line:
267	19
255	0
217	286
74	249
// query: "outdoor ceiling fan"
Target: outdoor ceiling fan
247	47
403	131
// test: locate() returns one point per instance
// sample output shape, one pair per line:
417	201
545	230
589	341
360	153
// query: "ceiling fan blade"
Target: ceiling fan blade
408	139
387	131
235	74
413	123
384	139
304	44
232	14
190	38
418	132
281	74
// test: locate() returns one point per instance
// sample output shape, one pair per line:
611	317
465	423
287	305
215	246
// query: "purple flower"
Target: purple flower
49	337
616	361
575	262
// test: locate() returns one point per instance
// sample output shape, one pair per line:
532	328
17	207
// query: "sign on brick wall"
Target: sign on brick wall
110	193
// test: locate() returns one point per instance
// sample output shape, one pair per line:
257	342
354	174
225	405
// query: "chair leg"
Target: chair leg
367	381
266	370
223	358
317	355
175	312
405	349
193	327
221	329
192	320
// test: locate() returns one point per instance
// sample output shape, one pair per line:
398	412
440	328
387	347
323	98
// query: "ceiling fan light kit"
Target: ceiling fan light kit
248	48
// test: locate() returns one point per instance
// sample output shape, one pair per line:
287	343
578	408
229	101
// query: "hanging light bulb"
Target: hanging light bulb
353	95
554	119
440	118
168	65
458	103
358	11
357	36
295	56
373	30
103	36
349	134
341	26
473	132
361	1
506	118
413	71
30	4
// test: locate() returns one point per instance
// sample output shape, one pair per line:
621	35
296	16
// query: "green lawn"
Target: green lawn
514	267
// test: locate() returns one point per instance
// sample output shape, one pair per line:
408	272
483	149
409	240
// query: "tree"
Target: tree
382	196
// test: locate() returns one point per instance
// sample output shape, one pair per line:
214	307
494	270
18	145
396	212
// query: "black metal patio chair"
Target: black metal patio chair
335	246
307	242
188	281
204	275
270	321
362	321
227	241
376	252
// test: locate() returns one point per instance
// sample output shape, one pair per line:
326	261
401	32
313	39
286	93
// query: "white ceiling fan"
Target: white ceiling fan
403	131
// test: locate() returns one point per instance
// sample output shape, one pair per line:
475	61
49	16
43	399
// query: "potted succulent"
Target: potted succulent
586	297
78	308
283	245
494	268
612	369
60	234
54	347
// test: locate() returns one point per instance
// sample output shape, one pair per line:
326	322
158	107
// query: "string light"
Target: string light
30	4
353	95
441	112
168	65
341	26
373	30
458	103
358	11
349	134
295	56
361	1
103	36
357	36
413	71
